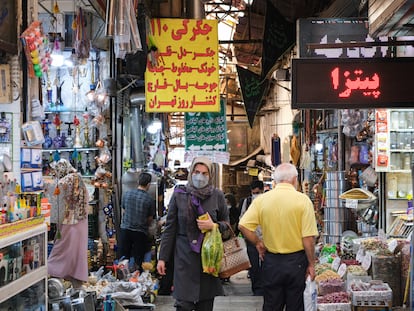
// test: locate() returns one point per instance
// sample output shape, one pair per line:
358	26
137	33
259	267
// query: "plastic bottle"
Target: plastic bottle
410	206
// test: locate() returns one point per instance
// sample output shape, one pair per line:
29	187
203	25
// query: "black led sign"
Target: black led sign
352	83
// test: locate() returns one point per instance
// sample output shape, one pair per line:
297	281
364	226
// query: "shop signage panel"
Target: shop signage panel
206	135
182	73
352	83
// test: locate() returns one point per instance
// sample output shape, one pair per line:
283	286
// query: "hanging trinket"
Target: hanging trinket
78	141
69	138
59	102
58	141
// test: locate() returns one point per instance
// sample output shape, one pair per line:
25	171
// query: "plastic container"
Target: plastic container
334	306
371	297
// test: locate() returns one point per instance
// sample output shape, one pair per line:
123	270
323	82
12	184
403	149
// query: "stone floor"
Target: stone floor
238	296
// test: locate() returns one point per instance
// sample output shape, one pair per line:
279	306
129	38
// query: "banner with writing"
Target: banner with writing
279	36
253	90
182	72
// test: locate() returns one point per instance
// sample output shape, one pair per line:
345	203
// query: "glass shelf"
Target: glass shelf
70	149
402	150
64	111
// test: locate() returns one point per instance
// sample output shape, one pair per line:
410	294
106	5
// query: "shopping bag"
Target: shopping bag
235	258
212	251
310	295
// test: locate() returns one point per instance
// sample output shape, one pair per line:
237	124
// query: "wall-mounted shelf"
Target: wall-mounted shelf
27	236
401	227
70	149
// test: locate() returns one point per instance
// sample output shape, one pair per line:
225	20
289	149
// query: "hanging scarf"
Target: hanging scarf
195	197
194	210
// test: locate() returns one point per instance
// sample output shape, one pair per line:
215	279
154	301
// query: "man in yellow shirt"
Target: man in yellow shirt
287	247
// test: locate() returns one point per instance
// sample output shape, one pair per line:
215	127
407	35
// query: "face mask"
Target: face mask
254	196
228	206
199	180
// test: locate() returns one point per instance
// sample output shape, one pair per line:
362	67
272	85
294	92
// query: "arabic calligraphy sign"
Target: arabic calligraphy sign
186	75
352	83
206	135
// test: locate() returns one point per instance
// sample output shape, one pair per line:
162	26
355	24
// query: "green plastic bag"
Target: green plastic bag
212	251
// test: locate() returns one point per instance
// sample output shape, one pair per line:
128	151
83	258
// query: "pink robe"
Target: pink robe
69	256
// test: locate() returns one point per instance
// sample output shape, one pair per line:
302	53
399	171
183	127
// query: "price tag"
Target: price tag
366	262
342	270
335	263
392	245
360	254
351	203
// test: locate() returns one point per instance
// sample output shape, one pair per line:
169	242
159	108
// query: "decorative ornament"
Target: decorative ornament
57	191
56	9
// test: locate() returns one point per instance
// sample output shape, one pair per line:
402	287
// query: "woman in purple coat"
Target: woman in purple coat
182	237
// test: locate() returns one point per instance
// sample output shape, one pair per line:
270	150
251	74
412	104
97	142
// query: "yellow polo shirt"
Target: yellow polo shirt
285	216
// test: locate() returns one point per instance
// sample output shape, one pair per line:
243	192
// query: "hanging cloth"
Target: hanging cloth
294	150
82	44
276	157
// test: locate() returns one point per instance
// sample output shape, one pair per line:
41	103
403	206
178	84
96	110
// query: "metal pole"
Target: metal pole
137	99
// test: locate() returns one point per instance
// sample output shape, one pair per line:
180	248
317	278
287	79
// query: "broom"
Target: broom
407	286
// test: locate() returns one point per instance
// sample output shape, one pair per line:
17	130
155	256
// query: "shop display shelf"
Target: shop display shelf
22	283
64	149
401	227
15	233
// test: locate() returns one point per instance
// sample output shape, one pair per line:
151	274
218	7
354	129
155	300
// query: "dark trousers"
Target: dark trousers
255	270
205	305
284	281
133	244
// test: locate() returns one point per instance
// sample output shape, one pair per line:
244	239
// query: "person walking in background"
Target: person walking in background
182	238
287	247
234	212
255	271
138	212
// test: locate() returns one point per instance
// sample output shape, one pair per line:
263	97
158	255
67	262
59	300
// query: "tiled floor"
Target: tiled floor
238	296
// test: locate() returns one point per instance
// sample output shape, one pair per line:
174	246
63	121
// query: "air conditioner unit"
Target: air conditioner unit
282	75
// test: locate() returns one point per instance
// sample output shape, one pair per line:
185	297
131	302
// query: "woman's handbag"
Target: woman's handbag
235	258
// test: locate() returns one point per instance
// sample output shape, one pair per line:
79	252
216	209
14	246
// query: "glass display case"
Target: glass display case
394	140
394	152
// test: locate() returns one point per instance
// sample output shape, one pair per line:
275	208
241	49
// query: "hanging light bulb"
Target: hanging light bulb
318	146
72	60
56	9
57	55
155	126
100	94
90	95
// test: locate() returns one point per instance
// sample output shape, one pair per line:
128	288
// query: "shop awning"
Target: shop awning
252	154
